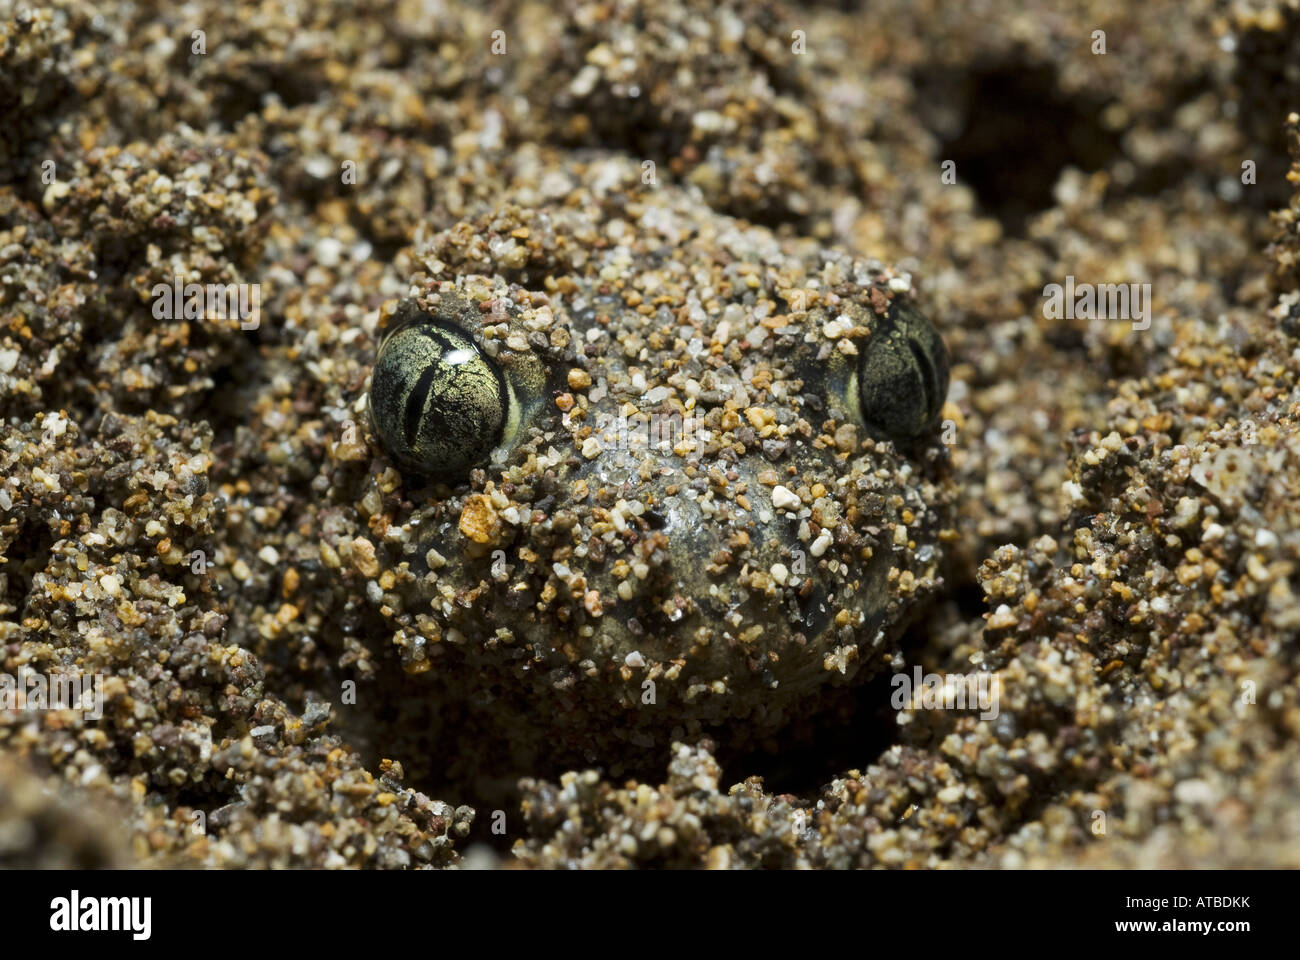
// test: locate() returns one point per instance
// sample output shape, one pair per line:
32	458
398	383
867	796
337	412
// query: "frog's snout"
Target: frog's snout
722	559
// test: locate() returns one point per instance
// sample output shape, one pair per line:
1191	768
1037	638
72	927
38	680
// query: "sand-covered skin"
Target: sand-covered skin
1113	519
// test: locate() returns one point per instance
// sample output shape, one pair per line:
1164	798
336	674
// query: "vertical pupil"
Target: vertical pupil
417	401
929	381
438	404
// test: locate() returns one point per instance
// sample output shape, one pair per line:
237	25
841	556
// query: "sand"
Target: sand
300	651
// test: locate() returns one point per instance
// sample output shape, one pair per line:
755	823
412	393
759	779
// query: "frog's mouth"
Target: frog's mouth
670	562
735	579
662	595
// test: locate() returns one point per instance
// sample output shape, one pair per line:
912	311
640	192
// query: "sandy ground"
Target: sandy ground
1118	543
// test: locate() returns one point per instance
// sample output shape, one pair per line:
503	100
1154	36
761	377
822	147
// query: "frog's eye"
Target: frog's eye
439	406
902	376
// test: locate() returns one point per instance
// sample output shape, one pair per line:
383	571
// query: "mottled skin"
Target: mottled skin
588	595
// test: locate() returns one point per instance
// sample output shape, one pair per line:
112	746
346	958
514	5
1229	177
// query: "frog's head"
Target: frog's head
629	521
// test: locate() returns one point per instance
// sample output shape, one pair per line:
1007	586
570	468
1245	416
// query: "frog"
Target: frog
698	494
